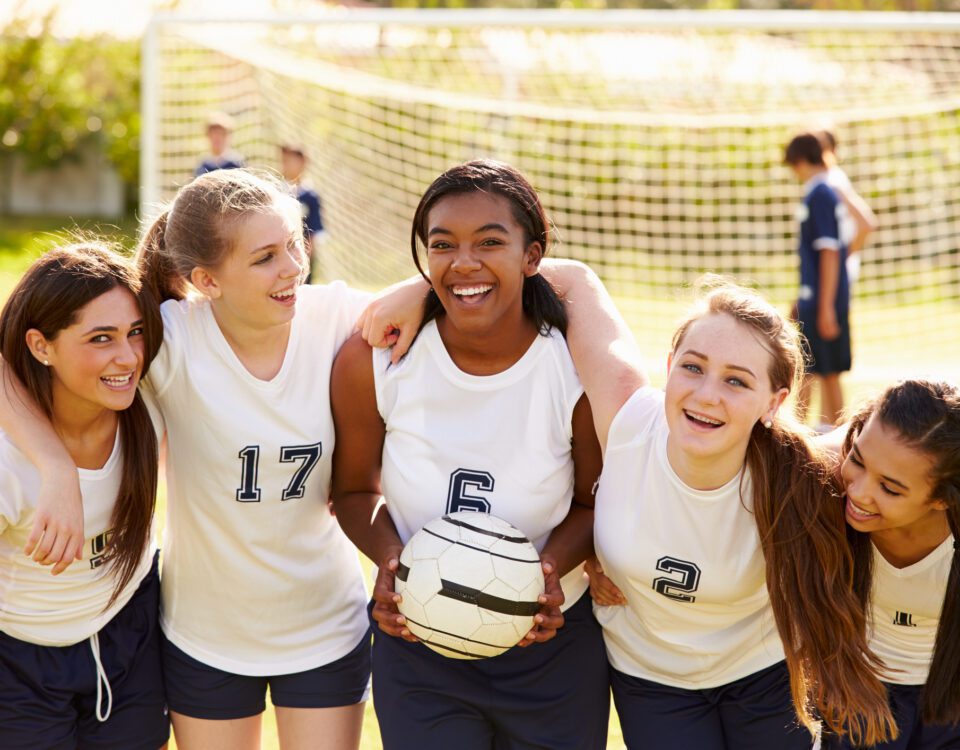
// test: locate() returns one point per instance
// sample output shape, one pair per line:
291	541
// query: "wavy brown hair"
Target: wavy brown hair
49	298
809	566
926	416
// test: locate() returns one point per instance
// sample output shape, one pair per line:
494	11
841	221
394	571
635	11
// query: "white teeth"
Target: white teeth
860	511
285	294
701	418
469	291
117	380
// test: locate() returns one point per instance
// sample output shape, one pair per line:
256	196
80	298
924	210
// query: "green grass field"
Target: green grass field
22	240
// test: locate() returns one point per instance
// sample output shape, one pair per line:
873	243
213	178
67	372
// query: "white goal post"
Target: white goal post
655	139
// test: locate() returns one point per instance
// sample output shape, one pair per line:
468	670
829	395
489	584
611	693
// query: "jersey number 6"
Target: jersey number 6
249	492
458	495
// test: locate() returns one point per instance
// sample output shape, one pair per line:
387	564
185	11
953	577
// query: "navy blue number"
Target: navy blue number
677	588
249	492
310	454
461	482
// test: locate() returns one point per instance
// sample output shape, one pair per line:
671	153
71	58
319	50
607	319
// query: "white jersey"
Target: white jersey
688	561
905	613
838	180
258	578
498	444
68	608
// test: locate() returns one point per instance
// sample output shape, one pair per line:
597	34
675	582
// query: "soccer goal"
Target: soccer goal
655	139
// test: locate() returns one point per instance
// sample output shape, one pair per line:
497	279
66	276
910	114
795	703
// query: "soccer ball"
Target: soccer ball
469	584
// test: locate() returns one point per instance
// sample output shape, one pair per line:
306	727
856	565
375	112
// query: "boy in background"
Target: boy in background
219	127
293	160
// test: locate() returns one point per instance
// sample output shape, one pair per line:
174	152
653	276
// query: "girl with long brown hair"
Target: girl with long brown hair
901	481
80	653
739	610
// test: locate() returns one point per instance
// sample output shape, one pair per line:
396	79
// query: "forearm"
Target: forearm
571	542
829	280
28	428
364	519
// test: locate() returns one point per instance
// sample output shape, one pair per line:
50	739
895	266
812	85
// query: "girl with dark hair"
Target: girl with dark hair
80	654
739	612
901	477
484	413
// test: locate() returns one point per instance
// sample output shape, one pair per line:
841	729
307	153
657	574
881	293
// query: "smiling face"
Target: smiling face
887	482
718	388
96	362
255	286
478	257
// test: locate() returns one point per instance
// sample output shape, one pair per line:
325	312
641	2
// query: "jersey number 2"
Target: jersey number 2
249	492
461	482
680	588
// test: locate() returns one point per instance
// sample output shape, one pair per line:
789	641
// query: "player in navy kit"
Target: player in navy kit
484	413
80	653
901	476
823	303
712	523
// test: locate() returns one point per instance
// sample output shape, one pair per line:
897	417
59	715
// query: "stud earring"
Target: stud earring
768	423
46	363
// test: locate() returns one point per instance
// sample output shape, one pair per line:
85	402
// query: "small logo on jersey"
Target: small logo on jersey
905	619
98	548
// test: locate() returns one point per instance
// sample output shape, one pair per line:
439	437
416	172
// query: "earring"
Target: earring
46	363
768	423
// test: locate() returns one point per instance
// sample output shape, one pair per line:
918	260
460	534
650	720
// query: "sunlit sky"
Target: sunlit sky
129	17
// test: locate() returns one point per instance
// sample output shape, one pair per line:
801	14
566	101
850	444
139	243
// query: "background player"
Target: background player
823	302
80	654
710	519
479	415
858	221
221	156
901	474
293	162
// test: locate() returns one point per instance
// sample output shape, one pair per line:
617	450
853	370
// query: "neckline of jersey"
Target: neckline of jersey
944	549
711	496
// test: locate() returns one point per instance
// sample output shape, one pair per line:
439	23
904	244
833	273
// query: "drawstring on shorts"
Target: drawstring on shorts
103	684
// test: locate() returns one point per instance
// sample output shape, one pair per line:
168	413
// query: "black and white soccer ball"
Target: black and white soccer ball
469	584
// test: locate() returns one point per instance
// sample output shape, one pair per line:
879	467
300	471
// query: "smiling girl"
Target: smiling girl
80	654
485	413
739	612
901	476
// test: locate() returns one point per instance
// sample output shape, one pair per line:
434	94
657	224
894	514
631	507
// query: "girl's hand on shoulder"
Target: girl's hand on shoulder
57	535
385	598
602	589
394	316
549	619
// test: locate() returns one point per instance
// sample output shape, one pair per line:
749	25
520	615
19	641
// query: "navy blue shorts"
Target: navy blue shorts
824	357
548	695
752	713
204	692
48	694
905	701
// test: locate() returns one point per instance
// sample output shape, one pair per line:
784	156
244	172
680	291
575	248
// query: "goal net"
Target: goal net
655	140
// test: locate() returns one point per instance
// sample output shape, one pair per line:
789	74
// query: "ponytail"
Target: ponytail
157	270
941	695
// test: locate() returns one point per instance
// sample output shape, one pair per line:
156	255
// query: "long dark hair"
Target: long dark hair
540	301
809	567
49	298
926	417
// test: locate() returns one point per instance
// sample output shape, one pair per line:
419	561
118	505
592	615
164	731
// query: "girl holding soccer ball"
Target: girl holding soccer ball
80	653
901	478
486	413
738	611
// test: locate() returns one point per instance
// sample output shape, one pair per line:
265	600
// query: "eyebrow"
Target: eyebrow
112	329
859	456
268	246
494	226
729	367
